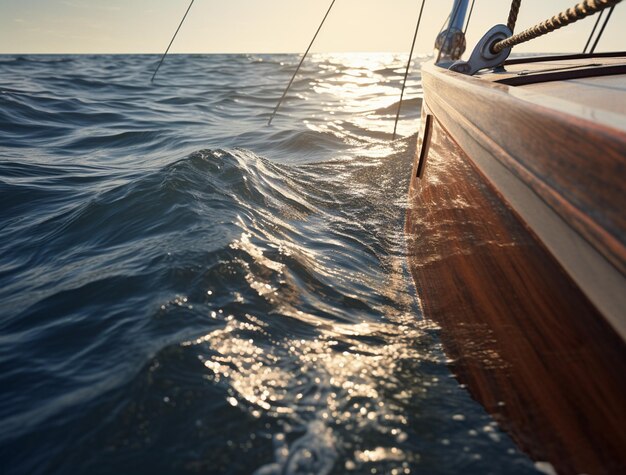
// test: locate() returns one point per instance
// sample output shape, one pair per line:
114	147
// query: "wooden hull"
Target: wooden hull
529	342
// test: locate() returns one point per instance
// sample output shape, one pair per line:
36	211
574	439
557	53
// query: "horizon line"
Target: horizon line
213	52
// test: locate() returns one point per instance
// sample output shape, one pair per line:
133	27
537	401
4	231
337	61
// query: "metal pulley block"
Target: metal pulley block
451	43
483	57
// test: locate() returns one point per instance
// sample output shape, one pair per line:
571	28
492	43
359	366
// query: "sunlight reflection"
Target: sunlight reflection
361	93
342	375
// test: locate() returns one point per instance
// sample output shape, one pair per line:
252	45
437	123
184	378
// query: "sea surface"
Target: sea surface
184	289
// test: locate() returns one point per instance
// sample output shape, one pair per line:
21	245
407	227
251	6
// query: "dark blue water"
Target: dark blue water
186	290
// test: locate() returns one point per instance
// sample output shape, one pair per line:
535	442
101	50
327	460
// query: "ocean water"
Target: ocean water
184	289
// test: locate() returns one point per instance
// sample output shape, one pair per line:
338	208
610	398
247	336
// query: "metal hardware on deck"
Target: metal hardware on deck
428	128
451	42
469	17
483	57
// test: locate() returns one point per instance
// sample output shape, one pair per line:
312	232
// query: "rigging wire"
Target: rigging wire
469	17
593	48
408	66
593	31
172	41
445	22
299	65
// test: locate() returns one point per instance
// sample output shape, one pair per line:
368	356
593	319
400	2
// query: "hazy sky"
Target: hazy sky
234	26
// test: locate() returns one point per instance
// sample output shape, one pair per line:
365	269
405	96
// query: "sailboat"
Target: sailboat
516	232
517	236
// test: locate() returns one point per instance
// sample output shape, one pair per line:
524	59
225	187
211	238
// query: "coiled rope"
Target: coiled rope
567	17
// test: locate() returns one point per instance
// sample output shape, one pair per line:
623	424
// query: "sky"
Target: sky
270	26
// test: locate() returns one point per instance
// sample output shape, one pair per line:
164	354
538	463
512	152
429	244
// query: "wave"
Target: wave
39	59
414	104
186	289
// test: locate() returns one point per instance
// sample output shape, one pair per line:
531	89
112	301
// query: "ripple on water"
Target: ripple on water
185	289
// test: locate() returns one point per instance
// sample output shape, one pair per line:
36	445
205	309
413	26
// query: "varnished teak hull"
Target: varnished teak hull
524	336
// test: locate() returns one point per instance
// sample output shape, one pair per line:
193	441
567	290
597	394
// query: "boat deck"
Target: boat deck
604	93
525	71
595	86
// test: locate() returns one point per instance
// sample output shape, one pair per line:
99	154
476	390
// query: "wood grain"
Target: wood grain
527	342
598	93
570	157
556	69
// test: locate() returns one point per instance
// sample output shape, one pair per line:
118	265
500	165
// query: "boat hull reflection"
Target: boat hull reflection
521	335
